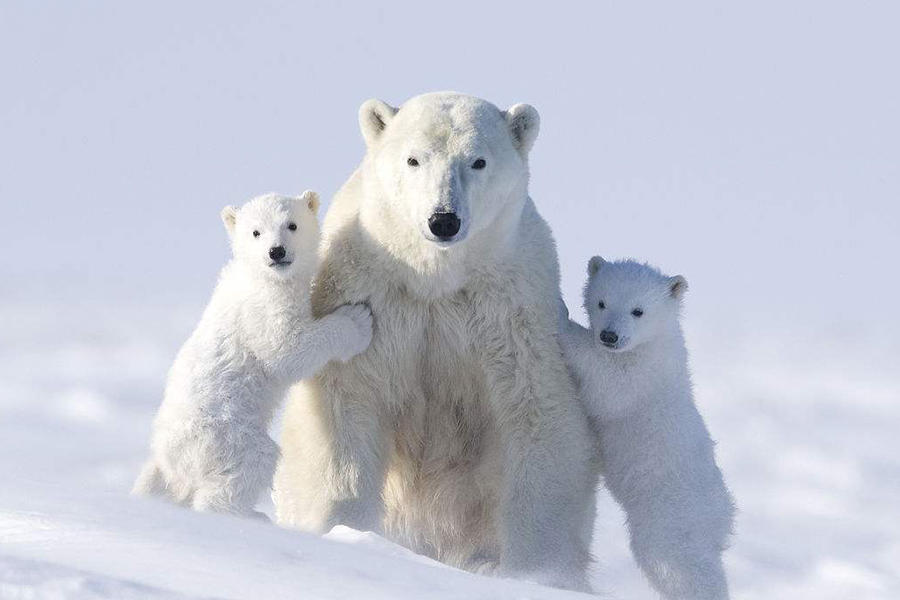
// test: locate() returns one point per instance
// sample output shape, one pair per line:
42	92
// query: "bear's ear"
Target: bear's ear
594	265
524	123
374	116
677	286
311	199
229	218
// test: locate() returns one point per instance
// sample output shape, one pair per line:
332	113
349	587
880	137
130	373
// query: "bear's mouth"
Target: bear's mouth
280	264
618	346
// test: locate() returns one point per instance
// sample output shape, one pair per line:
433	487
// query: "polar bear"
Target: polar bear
210	448
458	432
657	454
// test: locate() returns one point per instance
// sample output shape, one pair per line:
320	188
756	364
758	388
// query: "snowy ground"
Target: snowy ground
807	441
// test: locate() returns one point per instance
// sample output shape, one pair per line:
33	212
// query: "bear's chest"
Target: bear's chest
443	423
446	335
431	343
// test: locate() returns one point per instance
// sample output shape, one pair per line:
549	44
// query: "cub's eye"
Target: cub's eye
602	305
412	162
637	312
292	226
479	164
255	233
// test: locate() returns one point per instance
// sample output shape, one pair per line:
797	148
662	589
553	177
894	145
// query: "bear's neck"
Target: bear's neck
269	299
656	361
646	378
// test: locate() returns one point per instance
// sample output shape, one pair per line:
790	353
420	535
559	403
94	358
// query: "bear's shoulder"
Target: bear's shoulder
532	260
343	213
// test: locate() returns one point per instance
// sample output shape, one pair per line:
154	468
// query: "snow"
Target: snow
105	540
802	445
22	579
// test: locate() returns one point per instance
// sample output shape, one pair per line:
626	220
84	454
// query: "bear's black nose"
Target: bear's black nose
609	337
277	253
444	225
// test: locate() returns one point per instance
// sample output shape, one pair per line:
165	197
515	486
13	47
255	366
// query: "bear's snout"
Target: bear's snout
609	337
444	225
277	253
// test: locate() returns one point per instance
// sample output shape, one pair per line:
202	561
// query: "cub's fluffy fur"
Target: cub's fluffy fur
210	448
656	451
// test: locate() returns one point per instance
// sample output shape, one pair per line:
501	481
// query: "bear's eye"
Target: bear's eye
602	305
479	164
255	233
637	313
412	162
292	226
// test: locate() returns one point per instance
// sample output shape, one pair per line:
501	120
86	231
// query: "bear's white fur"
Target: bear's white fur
210	448
458	432
656	452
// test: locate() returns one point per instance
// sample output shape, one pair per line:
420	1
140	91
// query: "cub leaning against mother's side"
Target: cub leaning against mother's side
210	448
656	452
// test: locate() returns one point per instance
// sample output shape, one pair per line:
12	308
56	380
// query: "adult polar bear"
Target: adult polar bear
458	432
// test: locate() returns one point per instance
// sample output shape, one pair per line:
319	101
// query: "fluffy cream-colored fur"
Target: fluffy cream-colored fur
210	448
457	433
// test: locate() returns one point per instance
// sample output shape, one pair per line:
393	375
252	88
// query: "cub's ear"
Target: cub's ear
677	286
524	123
229	218
594	265
311	199
374	116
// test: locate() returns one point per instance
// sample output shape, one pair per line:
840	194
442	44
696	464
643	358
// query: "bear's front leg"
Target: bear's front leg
332	467
547	494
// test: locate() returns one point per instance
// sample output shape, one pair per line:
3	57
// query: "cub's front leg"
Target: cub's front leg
547	492
340	335
576	343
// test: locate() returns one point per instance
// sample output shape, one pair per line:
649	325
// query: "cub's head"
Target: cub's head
443	166
275	236
630	303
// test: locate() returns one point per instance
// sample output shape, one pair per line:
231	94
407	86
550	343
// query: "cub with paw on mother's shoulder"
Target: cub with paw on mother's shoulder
210	448
631	366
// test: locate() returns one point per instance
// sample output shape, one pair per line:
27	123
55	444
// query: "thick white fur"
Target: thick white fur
210	448
458	432
656	452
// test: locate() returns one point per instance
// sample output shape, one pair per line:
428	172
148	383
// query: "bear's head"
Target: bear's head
274	236
630	303
442	168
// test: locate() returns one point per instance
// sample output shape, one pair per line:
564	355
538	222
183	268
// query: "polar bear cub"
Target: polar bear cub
657	454
210	448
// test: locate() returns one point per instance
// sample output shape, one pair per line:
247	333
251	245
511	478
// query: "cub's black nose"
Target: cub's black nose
277	253
609	337
444	225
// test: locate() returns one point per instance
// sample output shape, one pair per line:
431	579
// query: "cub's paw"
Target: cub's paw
358	331
562	315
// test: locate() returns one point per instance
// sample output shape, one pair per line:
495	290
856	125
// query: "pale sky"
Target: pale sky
754	149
